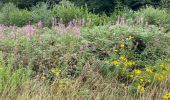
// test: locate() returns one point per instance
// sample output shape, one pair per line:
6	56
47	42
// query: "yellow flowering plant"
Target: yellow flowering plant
137	72
56	71
141	89
132	71
166	96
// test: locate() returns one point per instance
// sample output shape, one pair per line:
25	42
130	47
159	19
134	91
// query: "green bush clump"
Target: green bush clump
41	12
154	15
11	15
19	17
6	9
67	11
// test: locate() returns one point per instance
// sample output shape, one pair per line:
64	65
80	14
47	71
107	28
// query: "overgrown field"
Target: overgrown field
86	57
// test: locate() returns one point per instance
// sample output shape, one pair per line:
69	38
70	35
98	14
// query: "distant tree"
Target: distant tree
98	6
111	5
28	3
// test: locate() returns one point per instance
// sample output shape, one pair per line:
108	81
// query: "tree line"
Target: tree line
98	6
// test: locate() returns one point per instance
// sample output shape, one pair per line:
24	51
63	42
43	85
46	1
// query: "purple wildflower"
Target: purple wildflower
28	30
77	31
81	50
40	24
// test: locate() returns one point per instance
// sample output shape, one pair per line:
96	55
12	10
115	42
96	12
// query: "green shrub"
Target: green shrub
19	17
154	15
11	15
41	12
5	11
67	11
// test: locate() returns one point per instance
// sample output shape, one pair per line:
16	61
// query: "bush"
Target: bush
11	15
67	11
19	17
41	12
6	9
154	16
28	3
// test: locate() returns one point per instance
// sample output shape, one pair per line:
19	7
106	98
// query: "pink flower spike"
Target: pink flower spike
81	50
40	24
77	31
28	30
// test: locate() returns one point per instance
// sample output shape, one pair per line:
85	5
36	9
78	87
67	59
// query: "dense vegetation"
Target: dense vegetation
72	51
98	6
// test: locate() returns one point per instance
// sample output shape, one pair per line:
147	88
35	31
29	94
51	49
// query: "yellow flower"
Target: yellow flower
115	62
56	71
160	77
166	96
116	50
122	58
130	37
149	70
122	45
141	89
129	63
137	71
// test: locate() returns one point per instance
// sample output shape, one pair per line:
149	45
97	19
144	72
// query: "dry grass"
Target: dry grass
90	85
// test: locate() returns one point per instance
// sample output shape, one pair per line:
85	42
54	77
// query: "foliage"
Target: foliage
67	11
136	57
28	3
154	16
11	78
109	6
41	12
84	55
98	6
13	16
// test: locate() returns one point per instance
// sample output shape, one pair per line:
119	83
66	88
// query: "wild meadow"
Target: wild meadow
68	53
